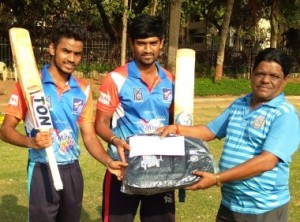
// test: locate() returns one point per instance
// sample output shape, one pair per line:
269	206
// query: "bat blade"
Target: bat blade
32	90
184	92
184	86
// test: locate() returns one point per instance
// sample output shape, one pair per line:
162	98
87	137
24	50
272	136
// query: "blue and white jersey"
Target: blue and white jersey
137	108
68	108
273	127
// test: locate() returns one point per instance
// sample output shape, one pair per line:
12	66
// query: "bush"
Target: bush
88	68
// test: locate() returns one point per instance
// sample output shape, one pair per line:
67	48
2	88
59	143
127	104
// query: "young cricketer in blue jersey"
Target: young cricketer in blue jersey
262	133
133	99
71	108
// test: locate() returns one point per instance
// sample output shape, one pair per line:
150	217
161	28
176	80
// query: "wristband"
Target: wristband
111	140
218	180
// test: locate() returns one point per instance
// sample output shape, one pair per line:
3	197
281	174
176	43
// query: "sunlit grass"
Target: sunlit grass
199	205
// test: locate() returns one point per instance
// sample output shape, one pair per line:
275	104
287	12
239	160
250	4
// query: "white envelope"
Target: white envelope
155	145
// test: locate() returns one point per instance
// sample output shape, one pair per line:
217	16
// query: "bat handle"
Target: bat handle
58	185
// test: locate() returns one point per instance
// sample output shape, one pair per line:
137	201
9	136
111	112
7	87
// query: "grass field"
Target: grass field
199	205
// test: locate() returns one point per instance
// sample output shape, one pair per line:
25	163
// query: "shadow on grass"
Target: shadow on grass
10	210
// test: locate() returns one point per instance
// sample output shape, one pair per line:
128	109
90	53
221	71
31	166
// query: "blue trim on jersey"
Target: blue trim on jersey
272	127
29	176
65	109
140	110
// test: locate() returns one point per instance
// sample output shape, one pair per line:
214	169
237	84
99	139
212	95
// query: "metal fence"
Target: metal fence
238	60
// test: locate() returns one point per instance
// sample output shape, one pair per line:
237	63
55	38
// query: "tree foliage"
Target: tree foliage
103	18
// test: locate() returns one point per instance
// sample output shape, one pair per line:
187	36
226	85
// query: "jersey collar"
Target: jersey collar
275	102
47	78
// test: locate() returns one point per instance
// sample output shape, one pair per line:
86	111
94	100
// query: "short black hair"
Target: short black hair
67	29
145	26
274	55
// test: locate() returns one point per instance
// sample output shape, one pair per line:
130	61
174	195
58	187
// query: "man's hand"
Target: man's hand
117	168
121	146
166	130
41	140
207	180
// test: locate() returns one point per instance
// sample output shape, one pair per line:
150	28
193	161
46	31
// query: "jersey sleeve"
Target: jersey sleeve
283	137
219	125
87	114
16	105
108	99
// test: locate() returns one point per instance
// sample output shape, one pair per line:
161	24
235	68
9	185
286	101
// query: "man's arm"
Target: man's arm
198	131
103	130
264	162
95	148
9	134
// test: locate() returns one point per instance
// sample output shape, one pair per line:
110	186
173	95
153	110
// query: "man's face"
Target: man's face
66	55
267	81
146	51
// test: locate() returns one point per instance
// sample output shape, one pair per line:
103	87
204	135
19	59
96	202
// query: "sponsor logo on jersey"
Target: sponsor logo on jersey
138	95
104	98
167	94
77	105
150	126
14	99
66	140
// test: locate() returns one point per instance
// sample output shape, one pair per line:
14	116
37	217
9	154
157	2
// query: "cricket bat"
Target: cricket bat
184	87
32	89
184	92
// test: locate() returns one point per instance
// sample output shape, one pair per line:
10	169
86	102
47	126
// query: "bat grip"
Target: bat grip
58	185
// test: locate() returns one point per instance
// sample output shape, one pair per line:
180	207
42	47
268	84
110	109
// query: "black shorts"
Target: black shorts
118	206
47	204
279	214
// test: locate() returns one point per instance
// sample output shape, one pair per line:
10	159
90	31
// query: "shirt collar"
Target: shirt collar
275	102
47	78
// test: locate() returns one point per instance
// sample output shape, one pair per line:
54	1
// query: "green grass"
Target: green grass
234	87
200	205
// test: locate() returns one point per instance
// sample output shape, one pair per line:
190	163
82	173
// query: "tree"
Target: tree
223	38
174	25
124	34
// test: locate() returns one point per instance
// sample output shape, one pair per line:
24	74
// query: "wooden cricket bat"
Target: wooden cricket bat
32	89
184	87
184	92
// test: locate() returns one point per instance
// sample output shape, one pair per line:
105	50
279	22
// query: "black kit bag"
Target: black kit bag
152	174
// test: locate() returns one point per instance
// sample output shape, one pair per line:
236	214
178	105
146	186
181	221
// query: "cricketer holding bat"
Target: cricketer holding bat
261	132
135	98
71	106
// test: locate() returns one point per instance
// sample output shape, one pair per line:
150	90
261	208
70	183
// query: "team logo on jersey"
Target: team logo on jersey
14	99
167	94
77	105
259	122
138	95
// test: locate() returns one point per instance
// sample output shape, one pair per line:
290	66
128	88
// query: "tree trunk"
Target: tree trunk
274	24
153	7
124	34
223	38
174	25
